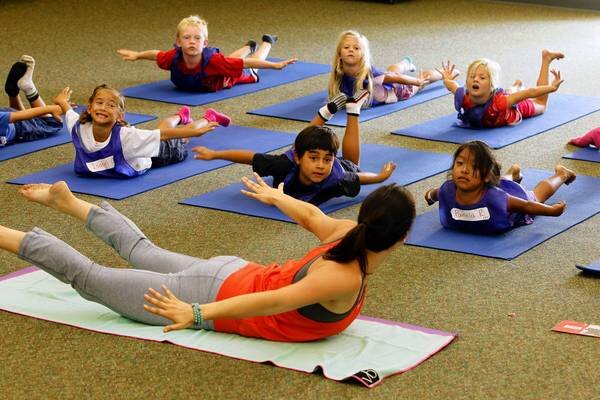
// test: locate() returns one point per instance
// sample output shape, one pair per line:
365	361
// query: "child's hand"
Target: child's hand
128	55
558	208
203	153
210	127
261	191
447	71
57	112
387	170
557	80
63	97
429	197
285	63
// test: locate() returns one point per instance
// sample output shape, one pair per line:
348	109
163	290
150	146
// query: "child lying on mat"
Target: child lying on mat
482	104
105	144
18	124
310	170
352	72
478	199
590	138
311	298
196	67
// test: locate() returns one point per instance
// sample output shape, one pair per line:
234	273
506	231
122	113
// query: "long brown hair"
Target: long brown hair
384	219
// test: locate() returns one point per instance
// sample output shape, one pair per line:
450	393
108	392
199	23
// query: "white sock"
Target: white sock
26	82
329	109
353	105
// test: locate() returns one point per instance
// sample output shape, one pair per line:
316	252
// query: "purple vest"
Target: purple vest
472	117
347	84
489	215
193	82
336	175
108	161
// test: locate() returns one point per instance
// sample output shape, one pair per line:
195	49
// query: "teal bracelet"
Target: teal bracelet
197	314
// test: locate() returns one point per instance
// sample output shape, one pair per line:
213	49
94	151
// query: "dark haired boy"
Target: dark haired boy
310	170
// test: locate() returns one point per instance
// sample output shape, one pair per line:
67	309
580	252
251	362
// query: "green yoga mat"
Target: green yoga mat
368	350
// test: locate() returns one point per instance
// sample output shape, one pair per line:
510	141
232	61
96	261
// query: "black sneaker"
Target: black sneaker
254	74
16	72
252	44
270	38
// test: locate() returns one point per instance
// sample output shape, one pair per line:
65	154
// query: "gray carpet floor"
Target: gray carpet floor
495	356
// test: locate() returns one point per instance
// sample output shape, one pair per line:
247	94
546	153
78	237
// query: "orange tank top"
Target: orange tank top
290	326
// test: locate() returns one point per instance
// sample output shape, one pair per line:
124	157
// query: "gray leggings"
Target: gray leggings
121	289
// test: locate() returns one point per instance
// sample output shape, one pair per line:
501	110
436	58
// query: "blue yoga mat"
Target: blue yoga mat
220	139
166	92
62	137
583	202
305	108
593	268
562	108
586	154
412	166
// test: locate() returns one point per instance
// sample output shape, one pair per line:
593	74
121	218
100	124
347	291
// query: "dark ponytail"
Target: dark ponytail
384	219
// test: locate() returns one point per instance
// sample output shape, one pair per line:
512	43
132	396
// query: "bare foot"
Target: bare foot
552	55
515	172
566	174
55	196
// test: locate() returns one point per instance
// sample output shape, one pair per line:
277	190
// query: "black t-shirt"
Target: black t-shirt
278	166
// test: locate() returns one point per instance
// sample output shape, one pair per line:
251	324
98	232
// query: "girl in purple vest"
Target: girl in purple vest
105	145
481	103
477	199
197	67
353	72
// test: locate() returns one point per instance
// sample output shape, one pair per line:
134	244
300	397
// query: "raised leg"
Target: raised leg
547	187
543	78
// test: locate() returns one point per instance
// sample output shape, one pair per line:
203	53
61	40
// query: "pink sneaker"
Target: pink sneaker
185	115
212	115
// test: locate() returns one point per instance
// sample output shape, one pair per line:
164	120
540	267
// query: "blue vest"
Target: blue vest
489	215
193	82
111	154
472	117
336	175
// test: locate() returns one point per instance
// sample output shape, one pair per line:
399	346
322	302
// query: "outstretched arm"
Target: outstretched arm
368	178
132	55
186	131
307	215
394	77
516	204
449	75
265	64
236	156
537	91
35	112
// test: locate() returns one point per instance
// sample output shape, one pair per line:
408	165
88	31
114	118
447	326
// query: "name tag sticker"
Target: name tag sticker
477	214
102	164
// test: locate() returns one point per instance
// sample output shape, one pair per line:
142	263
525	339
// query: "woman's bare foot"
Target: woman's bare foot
57	196
552	55
566	174
515	173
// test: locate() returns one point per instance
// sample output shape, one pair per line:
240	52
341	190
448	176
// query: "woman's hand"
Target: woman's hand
170	307
260	191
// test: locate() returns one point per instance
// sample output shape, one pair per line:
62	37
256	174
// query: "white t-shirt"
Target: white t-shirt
138	145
